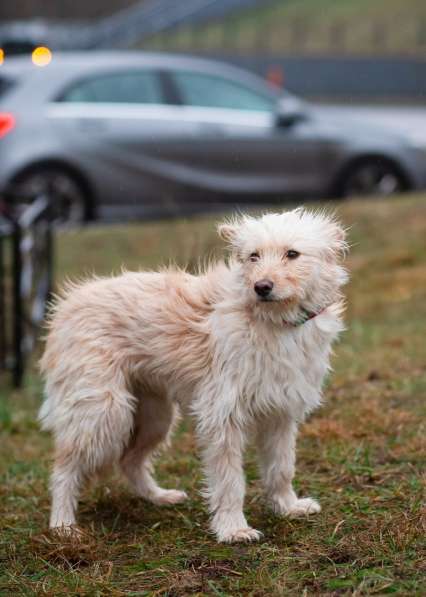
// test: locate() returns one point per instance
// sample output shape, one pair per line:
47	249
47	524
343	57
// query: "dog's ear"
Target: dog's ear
227	232
338	236
339	233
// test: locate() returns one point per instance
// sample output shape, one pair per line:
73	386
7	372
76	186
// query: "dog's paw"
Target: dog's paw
293	507
303	507
69	533
169	497
246	535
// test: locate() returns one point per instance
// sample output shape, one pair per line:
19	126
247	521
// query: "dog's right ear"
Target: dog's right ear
227	232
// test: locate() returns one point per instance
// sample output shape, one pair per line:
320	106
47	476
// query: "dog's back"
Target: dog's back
110	329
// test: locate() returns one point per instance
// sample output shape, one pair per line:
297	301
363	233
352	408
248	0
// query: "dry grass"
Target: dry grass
362	454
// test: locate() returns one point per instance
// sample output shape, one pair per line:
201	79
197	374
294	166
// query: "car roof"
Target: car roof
92	59
81	59
70	64
102	57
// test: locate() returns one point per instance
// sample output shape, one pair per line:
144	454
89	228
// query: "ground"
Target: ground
361	454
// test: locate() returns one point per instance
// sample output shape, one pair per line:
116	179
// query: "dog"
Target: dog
243	348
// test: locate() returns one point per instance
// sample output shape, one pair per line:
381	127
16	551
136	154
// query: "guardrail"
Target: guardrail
125	27
26	271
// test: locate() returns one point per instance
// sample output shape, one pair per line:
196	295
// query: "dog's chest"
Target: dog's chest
274	370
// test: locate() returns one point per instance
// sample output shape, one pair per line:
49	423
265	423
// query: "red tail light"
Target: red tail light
7	123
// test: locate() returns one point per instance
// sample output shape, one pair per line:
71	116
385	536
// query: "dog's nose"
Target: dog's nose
263	287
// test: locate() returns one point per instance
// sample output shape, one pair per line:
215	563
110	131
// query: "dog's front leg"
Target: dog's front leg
225	484
276	439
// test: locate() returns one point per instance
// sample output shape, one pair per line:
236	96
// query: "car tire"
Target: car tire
369	177
69	198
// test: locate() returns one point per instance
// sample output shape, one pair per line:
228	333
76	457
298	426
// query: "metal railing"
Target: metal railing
143	20
26	269
125	27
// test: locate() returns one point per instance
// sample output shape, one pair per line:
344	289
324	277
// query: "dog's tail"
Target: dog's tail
46	413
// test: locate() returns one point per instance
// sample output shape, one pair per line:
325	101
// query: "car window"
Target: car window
211	91
141	87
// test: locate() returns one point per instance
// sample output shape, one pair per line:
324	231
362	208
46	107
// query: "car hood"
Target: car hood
394	125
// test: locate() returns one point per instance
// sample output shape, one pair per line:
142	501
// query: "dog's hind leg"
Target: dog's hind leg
91	433
66	481
153	426
276	440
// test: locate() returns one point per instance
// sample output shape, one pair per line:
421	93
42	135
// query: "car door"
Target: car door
119	125
236	144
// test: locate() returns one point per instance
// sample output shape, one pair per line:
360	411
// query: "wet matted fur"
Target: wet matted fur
243	348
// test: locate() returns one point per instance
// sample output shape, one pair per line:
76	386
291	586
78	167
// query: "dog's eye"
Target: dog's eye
254	257
292	254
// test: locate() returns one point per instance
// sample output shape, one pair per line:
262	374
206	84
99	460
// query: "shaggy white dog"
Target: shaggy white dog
244	348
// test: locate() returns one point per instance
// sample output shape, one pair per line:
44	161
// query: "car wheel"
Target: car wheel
372	177
68	198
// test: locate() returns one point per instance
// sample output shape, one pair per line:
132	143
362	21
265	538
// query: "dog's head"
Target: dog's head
288	259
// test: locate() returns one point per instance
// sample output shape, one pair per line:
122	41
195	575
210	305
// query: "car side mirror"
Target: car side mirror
290	111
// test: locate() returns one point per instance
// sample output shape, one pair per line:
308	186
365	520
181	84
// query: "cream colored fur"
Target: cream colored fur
125	354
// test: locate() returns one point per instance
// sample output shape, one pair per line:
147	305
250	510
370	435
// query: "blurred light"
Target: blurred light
1	56
7	123
41	56
275	75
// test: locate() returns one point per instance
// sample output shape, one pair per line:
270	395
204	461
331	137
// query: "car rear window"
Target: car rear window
6	83
135	87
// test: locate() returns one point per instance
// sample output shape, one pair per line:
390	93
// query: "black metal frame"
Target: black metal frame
26	276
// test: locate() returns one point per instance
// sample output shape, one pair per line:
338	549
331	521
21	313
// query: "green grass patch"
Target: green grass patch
362	454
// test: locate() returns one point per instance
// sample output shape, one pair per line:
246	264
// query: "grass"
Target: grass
372	27
361	454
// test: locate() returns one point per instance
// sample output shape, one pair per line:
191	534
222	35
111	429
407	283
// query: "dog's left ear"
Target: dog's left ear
338	236
227	232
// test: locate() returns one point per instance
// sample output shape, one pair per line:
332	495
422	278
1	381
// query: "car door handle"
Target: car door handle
92	125
212	130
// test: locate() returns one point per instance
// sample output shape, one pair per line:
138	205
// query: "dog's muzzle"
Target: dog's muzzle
263	288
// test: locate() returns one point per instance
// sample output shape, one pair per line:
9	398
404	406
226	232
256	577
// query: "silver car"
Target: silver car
131	134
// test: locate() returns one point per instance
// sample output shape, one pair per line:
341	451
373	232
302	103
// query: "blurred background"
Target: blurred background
162	108
328	49
127	129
